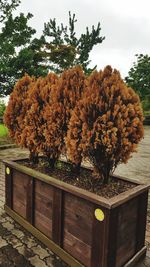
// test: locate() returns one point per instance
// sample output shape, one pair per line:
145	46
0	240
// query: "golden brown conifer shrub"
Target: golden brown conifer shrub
57	115
106	124
33	134
17	109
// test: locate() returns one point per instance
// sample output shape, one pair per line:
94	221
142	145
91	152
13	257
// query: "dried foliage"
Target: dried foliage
70	89
106	124
34	135
98	118
17	108
57	114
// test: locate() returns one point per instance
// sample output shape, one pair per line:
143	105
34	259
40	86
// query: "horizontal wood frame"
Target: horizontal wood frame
108	203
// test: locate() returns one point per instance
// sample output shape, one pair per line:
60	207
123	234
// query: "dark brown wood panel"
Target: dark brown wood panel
110	244
126	232
78	218
77	248
141	220
8	187
43	207
57	216
20	186
30	201
99	240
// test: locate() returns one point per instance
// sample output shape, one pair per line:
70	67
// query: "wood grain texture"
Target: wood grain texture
20	189
43	207
30	201
141	220
99	240
126	232
78	218
57	217
112	222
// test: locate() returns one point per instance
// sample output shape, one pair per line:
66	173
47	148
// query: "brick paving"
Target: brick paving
19	248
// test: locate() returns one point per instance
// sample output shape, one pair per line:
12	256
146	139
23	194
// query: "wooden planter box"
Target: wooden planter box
63	217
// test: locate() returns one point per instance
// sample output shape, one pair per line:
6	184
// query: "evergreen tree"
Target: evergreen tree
65	49
139	79
19	53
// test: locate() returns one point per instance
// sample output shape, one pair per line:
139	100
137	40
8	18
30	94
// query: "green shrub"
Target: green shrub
2	108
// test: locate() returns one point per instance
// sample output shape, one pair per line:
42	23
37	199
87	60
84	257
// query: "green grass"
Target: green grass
3	130
147	113
4	137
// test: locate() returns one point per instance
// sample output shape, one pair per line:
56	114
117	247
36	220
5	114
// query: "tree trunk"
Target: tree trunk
76	168
51	162
34	157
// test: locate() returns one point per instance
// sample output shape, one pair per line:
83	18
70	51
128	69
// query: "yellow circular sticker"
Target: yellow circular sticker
7	170
99	214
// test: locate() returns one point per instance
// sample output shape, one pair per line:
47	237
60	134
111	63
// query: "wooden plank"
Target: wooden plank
77	248
20	191
43	223
99	241
141	220
135	259
43	207
30	201
128	195
111	237
126	232
57	217
78	217
9	186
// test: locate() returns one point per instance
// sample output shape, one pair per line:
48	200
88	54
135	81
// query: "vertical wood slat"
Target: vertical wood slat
57	217
30	201
9	188
98	241
112	237
141	220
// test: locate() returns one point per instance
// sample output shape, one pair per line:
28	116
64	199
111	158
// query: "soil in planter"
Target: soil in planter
84	179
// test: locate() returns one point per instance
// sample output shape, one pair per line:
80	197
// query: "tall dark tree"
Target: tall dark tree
19	52
139	79
57	49
6	8
65	49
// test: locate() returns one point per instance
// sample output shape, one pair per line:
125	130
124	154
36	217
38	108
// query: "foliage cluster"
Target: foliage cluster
96	118
2	108
139	79
65	49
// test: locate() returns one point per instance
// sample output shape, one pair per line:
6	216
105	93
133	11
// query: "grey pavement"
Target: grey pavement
19	248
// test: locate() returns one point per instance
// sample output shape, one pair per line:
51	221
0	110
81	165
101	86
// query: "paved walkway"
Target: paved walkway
18	248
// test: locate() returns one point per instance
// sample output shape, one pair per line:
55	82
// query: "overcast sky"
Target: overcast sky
124	23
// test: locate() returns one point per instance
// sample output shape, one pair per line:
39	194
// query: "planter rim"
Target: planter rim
99	200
